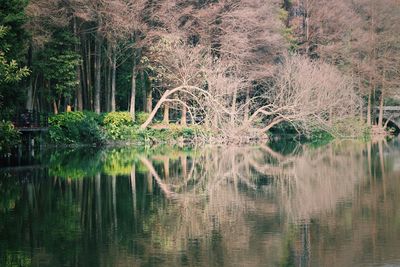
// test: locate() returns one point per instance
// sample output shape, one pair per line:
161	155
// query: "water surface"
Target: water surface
279	205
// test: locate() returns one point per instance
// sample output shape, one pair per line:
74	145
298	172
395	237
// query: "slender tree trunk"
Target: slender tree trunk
97	67
107	81
133	93
29	99
78	91
149	101
144	90
132	107
247	108
184	116
381	102
89	75
35	92
233	107
55	108
369	109
113	78
166	113
84	87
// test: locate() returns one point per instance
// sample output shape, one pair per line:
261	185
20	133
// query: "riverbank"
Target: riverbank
74	129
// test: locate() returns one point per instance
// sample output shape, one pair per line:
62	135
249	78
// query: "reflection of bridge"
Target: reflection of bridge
391	115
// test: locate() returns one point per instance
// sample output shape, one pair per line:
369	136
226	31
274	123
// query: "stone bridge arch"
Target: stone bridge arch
391	117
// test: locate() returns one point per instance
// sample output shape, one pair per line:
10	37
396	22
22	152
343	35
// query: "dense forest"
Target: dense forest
240	67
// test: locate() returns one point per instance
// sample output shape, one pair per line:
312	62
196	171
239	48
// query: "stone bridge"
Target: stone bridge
391	115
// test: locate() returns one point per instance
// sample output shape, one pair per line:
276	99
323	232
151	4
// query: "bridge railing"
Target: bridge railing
31	119
389	108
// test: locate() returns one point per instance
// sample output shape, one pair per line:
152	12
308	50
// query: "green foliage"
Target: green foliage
58	62
118	119
74	127
13	44
91	128
61	69
98	118
13	18
9	69
9	136
119	126
17	259
141	117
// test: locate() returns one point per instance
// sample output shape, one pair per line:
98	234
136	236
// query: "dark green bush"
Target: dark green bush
98	118
75	127
9	136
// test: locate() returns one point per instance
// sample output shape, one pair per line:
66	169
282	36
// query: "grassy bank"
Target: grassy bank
115	128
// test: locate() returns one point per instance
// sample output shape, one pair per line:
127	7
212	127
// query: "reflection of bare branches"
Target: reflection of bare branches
307	183
164	187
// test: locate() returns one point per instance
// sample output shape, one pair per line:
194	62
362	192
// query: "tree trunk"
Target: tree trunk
184	116
369	110
247	109
133	93
107	82
89	76
233	107
149	101
55	108
154	111
166	113
144	90
381	102
84	86
132	107
97	74
78	91
113	78
29	99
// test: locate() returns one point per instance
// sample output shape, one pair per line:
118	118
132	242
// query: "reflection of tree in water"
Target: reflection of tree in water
367	229
213	206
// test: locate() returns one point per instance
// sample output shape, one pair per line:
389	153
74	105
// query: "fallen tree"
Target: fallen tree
302	92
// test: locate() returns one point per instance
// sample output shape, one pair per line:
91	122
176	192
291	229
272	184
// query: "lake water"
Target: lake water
284	204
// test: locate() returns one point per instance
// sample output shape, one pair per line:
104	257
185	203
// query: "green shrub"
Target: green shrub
98	118
118	119
9	136
141	117
121	132
119	126
75	127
